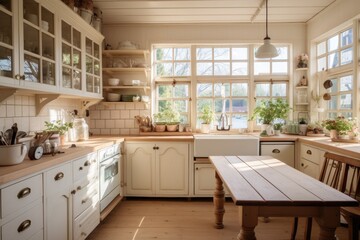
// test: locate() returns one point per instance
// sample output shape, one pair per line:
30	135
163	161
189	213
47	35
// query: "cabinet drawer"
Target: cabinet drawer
20	194
85	167
57	179
284	153
311	154
86	223
26	225
85	197
309	168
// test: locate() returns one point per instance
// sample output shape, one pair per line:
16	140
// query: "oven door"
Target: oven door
109	175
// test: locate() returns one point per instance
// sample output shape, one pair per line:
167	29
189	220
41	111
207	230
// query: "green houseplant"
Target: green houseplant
339	127
207	115
58	126
268	111
168	118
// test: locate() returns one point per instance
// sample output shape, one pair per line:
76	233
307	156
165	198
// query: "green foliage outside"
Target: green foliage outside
269	110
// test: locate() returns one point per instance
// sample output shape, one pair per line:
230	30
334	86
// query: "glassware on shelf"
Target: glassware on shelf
81	129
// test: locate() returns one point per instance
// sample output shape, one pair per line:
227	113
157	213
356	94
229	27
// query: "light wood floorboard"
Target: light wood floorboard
182	219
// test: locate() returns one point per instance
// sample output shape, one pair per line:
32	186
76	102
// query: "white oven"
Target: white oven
109	174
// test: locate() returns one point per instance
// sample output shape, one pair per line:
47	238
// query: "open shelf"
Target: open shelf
125	52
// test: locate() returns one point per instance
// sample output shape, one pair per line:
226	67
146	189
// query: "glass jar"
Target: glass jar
81	129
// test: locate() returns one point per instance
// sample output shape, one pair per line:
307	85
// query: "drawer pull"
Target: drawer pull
80	168
24	225
59	176
87	163
304	166
276	150
309	152
24	192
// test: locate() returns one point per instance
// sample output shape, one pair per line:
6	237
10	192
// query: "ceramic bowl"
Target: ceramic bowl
113	81
12	154
113	97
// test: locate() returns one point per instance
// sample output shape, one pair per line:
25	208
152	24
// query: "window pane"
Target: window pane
203	69
346	37
182	53
164	69
165	91
239	89
220	107
203	102
164	54
261	68
262	90
221	68
321	48
239	53
321	64
279	90
181	91
204	53
346	83
239	121
221	53
280	67
332	103
163	104
333	43
181	105
222	90
204	90
240	105
346	56
182	69
333	60
334	87
283	53
346	101
239	68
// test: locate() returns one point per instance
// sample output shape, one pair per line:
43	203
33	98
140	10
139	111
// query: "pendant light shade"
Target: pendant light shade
267	50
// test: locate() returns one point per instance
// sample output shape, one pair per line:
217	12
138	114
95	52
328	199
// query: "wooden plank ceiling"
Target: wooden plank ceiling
208	11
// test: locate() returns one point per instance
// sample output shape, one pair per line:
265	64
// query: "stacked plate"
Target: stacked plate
113	81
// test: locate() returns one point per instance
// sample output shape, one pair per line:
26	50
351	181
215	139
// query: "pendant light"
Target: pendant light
267	50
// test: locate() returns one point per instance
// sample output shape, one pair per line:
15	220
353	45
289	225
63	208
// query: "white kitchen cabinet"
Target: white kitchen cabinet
204	179
157	169
283	151
311	160
58	183
22	209
35	58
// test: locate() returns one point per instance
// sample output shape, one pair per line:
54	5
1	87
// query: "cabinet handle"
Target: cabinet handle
87	163
157	148
73	192
24	225
59	176
18	77
196	168
309	152
83	234
276	150
24	192
304	166
80	168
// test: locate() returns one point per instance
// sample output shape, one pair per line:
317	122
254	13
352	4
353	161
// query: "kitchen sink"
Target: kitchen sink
219	145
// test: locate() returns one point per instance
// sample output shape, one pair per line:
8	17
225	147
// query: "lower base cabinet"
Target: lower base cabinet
157	169
86	222
311	160
204	179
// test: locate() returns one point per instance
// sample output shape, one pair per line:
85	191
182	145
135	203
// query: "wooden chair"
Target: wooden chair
343	174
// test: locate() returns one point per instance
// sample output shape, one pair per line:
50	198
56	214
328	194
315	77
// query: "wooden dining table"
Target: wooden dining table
263	186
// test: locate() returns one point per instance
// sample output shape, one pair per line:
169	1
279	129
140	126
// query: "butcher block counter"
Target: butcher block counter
27	167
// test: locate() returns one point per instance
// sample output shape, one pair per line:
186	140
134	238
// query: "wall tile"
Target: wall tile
100	123
105	131
25	100
115	131
105	114
124	114
115	114
109	123
18	110
119	123
134	113
129	124
134	131
124	132
17	100
10	110
130	105
2	111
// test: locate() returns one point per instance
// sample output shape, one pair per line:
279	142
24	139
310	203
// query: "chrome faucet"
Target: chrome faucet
224	123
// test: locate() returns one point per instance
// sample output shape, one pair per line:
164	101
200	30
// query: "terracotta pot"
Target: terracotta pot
333	134
160	128
171	128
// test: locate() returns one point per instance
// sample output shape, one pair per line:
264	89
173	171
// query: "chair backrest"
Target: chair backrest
342	173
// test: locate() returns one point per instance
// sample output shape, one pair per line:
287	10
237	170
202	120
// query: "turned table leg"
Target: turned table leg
249	219
219	200
328	220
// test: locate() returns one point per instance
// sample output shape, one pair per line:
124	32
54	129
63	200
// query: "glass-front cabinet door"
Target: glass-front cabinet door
38	28
7	43
71	57
92	66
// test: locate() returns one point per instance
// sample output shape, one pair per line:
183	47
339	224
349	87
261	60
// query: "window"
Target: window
335	51
226	77
341	92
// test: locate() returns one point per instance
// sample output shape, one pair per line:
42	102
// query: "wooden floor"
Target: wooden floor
182	219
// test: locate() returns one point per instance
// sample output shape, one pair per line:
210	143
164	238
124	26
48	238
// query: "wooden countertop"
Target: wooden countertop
28	167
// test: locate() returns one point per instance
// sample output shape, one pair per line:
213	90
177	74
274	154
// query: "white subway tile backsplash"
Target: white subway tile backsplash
18	100
24	100
10	111
134	131
115	131
100	123
119	123
25	110
2	111
10	100
120	105
129	123
130	105
105	114
109	123
18	111
105	131
95	131
124	114
124	131
134	113
115	114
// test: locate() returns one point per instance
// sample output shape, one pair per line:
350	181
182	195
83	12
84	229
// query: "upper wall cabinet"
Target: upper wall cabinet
44	46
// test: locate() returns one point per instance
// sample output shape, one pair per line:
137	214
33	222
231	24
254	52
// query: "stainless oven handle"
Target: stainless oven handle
110	161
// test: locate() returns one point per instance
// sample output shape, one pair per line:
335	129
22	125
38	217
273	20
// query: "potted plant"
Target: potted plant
339	127
269	110
277	128
168	118
58	126
206	117
315	129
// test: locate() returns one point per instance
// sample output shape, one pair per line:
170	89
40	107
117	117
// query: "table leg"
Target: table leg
249	220
219	200
328	221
